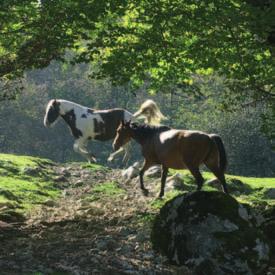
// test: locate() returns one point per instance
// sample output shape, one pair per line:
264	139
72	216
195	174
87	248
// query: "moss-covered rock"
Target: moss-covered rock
210	231
270	193
268	227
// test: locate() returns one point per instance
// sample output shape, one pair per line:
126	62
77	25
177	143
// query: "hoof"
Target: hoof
110	159
225	191
160	196
92	160
145	192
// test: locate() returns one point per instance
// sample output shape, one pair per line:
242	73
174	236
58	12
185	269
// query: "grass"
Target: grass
106	189
22	161
253	182
251	192
21	190
94	167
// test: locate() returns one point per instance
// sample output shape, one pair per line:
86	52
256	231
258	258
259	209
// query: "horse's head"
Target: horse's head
52	113
123	135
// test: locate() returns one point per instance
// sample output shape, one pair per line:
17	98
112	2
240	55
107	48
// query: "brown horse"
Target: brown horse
177	149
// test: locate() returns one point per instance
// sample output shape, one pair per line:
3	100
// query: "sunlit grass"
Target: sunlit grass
23	190
105	190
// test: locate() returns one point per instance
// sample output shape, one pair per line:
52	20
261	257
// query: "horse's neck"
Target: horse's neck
139	137
67	106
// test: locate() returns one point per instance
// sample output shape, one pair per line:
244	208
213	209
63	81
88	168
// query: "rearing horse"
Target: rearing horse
177	149
87	124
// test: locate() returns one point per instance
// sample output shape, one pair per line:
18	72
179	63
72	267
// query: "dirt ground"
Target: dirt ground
82	234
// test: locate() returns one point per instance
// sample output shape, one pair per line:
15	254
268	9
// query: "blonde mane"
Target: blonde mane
151	112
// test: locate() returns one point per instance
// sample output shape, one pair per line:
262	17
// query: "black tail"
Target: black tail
223	158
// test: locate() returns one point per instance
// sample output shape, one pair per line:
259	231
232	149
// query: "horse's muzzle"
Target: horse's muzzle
47	124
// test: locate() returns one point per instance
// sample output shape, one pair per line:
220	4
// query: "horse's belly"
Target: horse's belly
174	162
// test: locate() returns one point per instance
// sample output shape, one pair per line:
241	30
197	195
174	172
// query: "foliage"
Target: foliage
165	42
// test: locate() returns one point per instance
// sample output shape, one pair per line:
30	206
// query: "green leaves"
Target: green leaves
161	43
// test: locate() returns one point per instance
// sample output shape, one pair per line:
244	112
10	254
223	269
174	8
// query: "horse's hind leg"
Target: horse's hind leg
146	165
164	173
80	147
218	173
197	175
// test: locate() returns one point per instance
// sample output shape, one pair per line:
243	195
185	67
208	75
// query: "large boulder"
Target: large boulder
211	233
270	193
268	226
175	182
131	172
153	172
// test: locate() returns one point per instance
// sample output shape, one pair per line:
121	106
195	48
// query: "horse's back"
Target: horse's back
106	126
180	148
183	136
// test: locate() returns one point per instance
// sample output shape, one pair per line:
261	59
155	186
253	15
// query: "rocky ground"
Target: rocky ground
98	226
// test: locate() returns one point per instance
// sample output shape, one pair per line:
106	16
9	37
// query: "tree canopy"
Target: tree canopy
162	44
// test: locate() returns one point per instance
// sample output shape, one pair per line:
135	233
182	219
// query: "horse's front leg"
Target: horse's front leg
126	156
124	148
80	147
146	165
113	155
164	173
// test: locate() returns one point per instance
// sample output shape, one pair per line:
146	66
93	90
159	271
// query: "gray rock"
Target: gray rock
175	182
60	178
31	171
235	186
107	244
211	233
153	172
65	172
214	183
78	183
270	193
50	203
131	172
268	226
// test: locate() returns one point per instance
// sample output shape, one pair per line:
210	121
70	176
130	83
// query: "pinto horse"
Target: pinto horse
87	124
177	149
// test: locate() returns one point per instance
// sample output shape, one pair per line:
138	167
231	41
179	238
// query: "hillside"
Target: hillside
79	218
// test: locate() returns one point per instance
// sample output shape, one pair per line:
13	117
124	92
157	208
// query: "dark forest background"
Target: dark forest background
22	130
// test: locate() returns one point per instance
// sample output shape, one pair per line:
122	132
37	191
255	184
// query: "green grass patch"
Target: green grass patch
250	190
105	190
94	167
22	161
24	182
158	203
